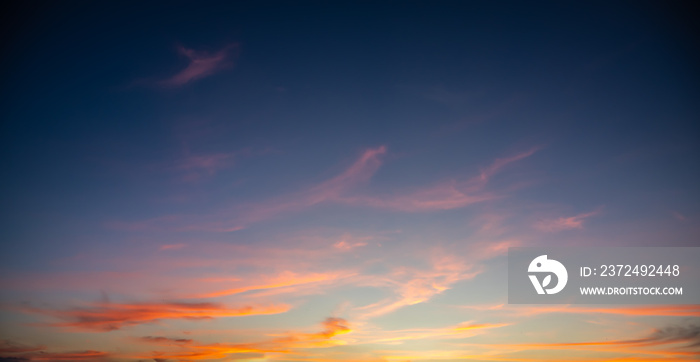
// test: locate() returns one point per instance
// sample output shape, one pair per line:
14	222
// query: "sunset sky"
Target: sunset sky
338	181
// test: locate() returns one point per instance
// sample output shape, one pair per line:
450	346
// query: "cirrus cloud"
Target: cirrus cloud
201	65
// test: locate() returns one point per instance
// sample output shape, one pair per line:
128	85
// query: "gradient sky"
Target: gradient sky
337	181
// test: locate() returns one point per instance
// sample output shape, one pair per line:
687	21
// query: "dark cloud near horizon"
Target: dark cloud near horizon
677	334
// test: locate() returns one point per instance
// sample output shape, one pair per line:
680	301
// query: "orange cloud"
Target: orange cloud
332	327
678	341
112	316
659	310
286	344
462	355
208	352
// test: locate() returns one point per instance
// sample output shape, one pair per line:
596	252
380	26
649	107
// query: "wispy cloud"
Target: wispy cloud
446	195
462	330
412	286
287	281
672	343
201	65
165	340
644	310
565	223
196	167
342	189
7	346
331	190
107	316
241	216
349	242
11	351
331	327
171	246
500	163
443	196
679	216
285	344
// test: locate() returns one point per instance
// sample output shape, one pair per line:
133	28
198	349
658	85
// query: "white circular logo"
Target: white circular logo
543	265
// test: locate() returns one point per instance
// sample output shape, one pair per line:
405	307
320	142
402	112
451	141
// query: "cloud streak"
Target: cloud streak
413	286
341	189
284	280
462	330
105	316
196	167
565	223
286	344
644	310
677	342
201	65
11	351
447	195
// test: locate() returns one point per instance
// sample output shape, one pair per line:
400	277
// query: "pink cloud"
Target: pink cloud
360	171
171	246
443	196
201	65
412	285
286	280
499	163
341	189
348	242
196	167
679	216
565	223
179	223
447	195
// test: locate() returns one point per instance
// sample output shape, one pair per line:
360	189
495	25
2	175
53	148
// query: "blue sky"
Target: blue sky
337	181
